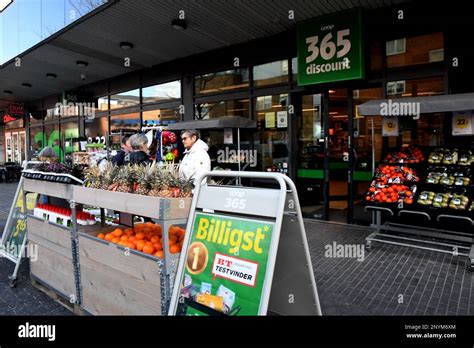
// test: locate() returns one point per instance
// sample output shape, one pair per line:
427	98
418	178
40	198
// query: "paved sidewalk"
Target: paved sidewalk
392	280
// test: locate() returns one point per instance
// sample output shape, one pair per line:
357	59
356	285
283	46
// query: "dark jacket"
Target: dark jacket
139	157
120	158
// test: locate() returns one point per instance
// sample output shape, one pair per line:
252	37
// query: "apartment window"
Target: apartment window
395	47
395	87
416	50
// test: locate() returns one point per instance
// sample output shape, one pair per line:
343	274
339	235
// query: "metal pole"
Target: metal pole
238	154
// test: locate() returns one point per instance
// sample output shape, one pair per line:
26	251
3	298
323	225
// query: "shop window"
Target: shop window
311	133
36	117
52	114
272	140
416	88
53	139
96	129
125	123
229	80
103	103
270	73
69	137
162	92
238	107
294	68
37	140
415	50
161	116
125	99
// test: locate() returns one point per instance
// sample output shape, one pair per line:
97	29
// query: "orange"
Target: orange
139	227
174	249
155	239
101	236
148	236
159	254
124	238
118	232
115	240
140	244
109	236
129	231
158	246
172	230
149	243
148	249
131	245
132	238
173	239
140	235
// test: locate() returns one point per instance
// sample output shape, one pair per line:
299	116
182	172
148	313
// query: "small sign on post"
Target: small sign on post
245	252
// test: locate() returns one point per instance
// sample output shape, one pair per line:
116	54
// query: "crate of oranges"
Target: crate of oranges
146	238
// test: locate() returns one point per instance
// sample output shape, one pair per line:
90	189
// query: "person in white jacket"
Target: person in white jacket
196	160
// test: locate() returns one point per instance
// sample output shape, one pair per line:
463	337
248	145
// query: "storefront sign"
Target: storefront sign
282	119
269	120
390	127
228	136
330	49
463	123
225	265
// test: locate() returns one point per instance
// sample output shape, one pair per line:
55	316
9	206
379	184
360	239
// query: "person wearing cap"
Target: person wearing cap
196	160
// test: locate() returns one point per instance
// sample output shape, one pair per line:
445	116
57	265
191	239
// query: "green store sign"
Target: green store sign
330	48
225	266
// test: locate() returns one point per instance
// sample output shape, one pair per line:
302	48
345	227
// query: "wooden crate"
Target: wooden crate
48	188
54	266
115	282
153	207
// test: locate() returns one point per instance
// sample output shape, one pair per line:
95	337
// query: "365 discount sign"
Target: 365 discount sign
330	49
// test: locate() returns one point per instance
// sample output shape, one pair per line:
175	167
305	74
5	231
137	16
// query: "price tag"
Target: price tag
463	123
390	127
438	199
424	196
456	201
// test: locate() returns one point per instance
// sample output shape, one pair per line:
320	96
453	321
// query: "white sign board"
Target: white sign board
463	123
390	127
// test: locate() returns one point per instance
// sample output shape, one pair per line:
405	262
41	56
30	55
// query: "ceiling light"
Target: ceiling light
179	24
4	4
82	63
7	91
26	85
126	45
51	76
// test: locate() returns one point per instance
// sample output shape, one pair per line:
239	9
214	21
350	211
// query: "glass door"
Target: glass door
339	150
310	164
15	149
8	147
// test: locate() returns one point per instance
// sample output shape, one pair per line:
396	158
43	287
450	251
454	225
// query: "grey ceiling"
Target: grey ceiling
212	24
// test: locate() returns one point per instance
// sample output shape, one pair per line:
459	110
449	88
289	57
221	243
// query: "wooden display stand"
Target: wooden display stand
118	281
55	271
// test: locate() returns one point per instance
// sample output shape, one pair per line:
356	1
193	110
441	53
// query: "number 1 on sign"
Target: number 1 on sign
196	258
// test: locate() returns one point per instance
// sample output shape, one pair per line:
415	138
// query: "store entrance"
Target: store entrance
322	134
15	149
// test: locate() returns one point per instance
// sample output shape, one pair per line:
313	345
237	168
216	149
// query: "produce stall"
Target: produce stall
423	196
123	268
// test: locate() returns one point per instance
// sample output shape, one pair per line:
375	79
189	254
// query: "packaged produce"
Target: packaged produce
426	198
441	200
450	157
458	202
391	194
395	174
436	156
466	158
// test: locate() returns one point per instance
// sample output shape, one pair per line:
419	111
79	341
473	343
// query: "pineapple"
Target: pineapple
186	188
142	175
124	179
108	176
156	183
93	175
